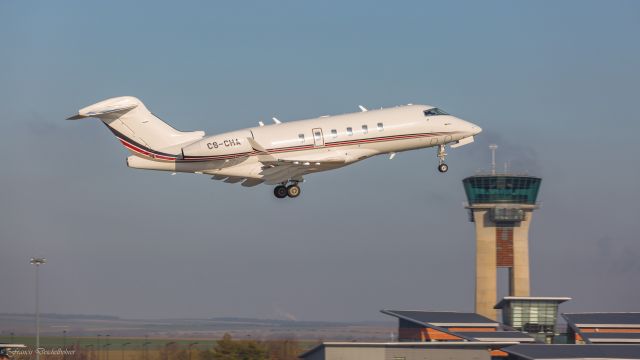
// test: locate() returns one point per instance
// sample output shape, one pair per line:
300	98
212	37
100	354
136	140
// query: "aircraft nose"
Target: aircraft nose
470	127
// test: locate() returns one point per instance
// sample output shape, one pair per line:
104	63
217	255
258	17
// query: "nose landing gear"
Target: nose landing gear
442	167
282	191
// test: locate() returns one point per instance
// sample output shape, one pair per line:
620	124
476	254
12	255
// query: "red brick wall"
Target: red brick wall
504	246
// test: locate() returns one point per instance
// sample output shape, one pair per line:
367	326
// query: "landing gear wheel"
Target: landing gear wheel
441	154
280	191
293	191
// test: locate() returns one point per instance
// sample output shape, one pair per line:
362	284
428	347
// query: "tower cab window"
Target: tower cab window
434	112
350	131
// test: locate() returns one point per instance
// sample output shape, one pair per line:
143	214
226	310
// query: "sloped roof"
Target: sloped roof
562	351
442	318
600	337
499	336
603	319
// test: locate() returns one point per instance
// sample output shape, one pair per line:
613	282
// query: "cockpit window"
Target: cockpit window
435	111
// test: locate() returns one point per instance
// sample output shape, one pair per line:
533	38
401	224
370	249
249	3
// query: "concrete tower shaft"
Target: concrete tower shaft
501	206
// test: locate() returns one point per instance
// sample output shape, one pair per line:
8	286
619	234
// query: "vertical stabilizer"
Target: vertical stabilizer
128	118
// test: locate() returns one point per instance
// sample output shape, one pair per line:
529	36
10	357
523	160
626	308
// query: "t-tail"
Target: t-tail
138	129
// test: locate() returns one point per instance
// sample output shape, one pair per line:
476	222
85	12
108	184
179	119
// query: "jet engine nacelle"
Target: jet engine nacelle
234	142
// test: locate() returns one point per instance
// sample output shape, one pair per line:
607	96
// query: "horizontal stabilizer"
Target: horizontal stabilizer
122	104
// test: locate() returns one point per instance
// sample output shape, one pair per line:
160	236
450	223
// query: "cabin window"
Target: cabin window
380	126
301	137
334	133
365	129
349	131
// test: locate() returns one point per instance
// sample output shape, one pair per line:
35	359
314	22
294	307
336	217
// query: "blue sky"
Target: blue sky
554	84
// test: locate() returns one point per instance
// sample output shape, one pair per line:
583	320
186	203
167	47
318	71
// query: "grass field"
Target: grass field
115	342
115	348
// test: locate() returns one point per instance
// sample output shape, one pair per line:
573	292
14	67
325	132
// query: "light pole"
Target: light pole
87	346
64	344
106	350
123	345
190	345
166	349
37	262
146	350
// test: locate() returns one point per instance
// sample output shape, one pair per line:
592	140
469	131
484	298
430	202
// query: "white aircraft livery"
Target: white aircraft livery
283	152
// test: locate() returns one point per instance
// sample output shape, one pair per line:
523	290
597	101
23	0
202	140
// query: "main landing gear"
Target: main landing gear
282	191
442	167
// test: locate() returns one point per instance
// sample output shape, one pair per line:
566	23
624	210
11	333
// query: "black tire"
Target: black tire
293	191
443	168
280	192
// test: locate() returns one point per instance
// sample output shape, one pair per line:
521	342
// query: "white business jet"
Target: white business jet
280	153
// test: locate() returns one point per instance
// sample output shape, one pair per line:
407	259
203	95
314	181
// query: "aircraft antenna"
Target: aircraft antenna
493	148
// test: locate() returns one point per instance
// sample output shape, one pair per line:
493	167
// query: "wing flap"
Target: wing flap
233	180
252	182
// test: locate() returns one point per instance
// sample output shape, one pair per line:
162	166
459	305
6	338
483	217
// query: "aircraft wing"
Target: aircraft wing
246	182
277	169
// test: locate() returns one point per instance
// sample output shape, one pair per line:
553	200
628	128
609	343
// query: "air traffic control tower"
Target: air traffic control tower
501	206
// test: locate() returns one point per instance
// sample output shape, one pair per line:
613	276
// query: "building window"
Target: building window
380	126
301	137
349	131
334	133
365	129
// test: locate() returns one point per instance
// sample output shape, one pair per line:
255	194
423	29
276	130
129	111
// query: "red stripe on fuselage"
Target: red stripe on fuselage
277	150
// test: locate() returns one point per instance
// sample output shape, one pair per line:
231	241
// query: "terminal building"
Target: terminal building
501	207
534	315
438	326
603	328
402	351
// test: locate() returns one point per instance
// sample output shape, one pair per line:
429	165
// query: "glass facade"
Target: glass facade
531	316
483	189
506	215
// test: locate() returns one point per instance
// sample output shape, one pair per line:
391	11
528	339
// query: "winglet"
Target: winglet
76	117
362	108
276	120
260	123
263	153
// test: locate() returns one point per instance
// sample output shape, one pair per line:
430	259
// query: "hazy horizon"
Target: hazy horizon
554	84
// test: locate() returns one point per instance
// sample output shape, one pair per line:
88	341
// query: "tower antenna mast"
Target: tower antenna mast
493	148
